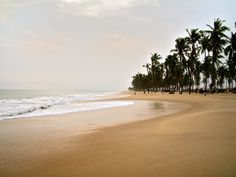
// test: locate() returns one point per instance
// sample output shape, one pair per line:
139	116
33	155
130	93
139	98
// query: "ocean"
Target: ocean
31	103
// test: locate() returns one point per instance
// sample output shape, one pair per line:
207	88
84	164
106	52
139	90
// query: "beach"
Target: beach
197	137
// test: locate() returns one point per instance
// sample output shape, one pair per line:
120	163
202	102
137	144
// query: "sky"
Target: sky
94	44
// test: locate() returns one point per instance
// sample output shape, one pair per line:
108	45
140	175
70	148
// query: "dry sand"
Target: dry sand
197	141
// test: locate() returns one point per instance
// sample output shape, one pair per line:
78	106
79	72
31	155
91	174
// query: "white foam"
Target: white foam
14	108
76	107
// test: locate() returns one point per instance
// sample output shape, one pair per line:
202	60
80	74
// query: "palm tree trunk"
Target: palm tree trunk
206	84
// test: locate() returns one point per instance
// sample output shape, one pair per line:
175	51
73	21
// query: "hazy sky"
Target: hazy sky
93	44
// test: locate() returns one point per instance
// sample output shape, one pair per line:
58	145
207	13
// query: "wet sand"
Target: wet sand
198	140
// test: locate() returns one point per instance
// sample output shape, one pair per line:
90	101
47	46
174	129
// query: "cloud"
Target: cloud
123	42
33	43
34	40
98	8
5	7
9	6
42	44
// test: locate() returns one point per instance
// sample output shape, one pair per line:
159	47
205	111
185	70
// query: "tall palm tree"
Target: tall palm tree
205	49
171	63
160	75
206	70
217	40
205	44
230	51
148	67
154	68
197	74
193	39
222	75
181	48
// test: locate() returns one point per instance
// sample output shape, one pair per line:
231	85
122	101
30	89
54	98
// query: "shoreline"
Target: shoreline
45	107
186	143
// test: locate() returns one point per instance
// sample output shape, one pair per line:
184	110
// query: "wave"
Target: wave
15	107
30	107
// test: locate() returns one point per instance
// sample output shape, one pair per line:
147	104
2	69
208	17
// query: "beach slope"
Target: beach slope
198	141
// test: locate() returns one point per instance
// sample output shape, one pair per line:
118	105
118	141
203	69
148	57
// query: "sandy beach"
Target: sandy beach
196	137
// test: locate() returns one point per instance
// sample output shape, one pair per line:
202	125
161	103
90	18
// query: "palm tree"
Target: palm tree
181	48
154	69
171	63
205	49
217	41
230	51
147	66
222	73
197	74
160	75
141	82
159	72
206	70
193	39
205	44
182	68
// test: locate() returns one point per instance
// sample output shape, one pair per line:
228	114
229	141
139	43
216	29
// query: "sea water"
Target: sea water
31	103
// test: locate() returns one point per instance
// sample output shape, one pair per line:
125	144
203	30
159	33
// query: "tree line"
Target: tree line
183	70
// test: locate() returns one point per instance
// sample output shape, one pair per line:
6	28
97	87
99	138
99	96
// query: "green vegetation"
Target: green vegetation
197	58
